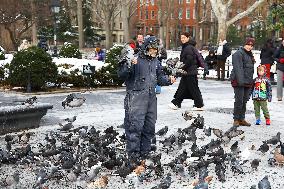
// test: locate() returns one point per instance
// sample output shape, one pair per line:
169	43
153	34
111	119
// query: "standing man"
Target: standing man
223	52
242	80
140	103
139	43
279	56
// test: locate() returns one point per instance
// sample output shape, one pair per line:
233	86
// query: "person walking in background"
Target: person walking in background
266	56
262	92
210	61
188	86
242	80
279	56
162	56
223	52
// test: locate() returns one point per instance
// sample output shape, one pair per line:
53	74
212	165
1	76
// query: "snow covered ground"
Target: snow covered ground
104	108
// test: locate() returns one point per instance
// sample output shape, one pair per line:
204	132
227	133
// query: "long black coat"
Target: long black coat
188	86
188	57
266	55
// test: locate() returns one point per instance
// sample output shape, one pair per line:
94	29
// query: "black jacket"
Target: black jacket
211	60
279	53
266	55
162	54
188	57
243	68
225	53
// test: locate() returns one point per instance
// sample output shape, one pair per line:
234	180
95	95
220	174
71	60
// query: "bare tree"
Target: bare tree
16	18
166	9
127	11
106	11
221	10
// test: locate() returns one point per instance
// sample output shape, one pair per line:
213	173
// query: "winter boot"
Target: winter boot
244	123
236	123
267	121
257	122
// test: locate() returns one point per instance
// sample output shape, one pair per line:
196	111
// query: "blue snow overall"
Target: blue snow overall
140	103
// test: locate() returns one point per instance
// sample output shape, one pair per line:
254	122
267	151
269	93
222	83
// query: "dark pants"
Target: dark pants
188	89
221	69
140	119
242	95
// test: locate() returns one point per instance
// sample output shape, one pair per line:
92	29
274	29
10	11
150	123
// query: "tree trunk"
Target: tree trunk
125	20
108	34
80	24
222	29
34	26
168	34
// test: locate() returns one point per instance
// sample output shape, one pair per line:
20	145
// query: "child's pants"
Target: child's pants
263	105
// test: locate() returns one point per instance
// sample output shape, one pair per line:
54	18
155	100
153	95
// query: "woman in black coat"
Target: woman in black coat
188	86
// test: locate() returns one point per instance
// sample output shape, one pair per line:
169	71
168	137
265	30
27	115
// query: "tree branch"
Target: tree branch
245	13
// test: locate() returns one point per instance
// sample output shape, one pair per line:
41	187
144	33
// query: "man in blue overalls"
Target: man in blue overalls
140	103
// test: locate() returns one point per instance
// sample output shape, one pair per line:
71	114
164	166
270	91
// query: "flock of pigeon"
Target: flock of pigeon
91	158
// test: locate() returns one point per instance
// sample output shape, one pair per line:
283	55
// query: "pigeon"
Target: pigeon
11	179
264	183
236	166
163	131
71	119
198	122
220	170
30	101
165	182
66	126
228	135
274	140
188	115
24	137
253	187
255	163
264	147
234	148
67	100
279	158
207	131
77	102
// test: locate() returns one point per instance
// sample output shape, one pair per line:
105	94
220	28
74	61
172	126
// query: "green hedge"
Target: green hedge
70	51
35	62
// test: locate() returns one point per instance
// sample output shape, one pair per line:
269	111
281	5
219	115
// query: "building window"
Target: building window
187	28
153	2
146	29
187	14
120	25
146	15
188	1
152	14
141	14
180	14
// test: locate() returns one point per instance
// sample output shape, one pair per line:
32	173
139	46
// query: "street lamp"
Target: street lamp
55	8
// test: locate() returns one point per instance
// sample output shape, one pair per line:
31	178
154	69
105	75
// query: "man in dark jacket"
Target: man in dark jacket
242	80
223	52
188	86
139	43
210	61
140	103
266	56
279	56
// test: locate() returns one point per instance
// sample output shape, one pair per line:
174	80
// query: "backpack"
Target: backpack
199	59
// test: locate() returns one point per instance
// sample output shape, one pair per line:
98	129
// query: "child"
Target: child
261	93
211	61
140	103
